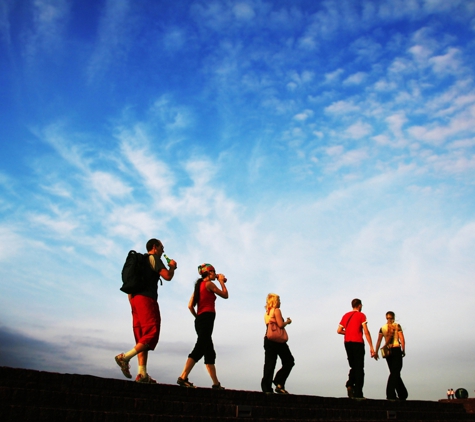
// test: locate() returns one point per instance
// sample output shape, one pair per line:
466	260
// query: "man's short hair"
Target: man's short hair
151	243
355	303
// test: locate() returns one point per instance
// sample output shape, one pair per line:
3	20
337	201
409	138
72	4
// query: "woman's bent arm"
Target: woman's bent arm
190	305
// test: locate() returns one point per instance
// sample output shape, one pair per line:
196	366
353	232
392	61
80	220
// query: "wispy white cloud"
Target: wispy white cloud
107	185
61	224
11	245
215	14
396	122
304	115
171	116
356	78
348	158
73	152
367	49
358	130
335	75
59	189
243	11
46	32
300	78
446	63
342	107
154	172
439	133
113	38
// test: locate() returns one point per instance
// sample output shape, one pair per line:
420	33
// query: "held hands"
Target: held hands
222	278
288	321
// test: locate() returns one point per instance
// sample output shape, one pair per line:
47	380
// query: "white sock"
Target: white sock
143	370
130	354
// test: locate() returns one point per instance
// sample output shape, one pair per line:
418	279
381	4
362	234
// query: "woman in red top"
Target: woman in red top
203	299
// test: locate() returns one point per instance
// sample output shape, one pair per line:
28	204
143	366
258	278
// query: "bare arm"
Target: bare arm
168	274
191	307
402	341
221	292
341	330
378	344
163	272
380	339
279	320
368	338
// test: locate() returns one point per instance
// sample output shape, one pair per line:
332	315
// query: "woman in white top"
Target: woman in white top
396	343
274	349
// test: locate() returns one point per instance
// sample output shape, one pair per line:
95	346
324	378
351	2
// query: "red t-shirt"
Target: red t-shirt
353	323
207	299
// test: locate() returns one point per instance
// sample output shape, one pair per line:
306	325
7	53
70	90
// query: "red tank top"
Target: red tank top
207	299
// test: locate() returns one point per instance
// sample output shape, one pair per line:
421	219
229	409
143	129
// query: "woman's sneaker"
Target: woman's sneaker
184	383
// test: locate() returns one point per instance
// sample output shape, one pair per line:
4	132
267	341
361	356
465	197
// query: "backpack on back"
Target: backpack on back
133	272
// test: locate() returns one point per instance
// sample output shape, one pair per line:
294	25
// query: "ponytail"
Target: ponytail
196	294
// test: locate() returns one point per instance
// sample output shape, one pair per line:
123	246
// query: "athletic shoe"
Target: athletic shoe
280	390
217	387
124	365
184	383
350	391
145	379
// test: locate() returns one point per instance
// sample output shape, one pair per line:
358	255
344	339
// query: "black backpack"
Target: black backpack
133	273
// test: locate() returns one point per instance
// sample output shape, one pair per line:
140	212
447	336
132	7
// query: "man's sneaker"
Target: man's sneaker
184	383
145	379
124	365
217	387
280	390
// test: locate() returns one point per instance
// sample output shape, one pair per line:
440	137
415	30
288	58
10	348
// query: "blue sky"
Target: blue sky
321	150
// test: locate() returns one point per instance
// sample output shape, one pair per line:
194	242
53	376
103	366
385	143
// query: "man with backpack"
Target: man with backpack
145	271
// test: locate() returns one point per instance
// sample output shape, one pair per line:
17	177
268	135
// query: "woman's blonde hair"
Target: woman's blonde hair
271	301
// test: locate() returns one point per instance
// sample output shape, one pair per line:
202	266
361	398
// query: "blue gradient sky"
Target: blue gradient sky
321	150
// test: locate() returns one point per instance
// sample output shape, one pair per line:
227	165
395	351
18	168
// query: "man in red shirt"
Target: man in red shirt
352	326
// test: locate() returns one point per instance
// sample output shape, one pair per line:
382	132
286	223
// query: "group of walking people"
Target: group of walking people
146	322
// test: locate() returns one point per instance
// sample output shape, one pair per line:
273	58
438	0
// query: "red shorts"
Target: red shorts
146	320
